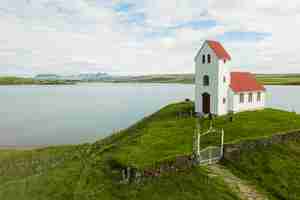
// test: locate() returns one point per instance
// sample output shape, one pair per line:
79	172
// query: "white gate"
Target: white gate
209	154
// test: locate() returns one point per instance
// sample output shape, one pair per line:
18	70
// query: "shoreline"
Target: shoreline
16	147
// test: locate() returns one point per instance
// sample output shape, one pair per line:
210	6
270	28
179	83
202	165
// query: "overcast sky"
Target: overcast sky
145	36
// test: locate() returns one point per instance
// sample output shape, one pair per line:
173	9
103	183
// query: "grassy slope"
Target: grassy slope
165	135
275	169
29	81
85	173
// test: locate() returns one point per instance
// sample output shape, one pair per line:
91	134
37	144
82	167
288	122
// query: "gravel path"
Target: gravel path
241	187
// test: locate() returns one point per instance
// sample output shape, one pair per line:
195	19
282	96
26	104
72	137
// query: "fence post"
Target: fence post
210	156
198	144
222	143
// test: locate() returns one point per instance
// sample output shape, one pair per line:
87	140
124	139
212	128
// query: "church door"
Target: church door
206	103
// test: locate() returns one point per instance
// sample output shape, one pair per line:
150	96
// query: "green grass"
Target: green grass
164	135
86	172
275	169
279	79
30	81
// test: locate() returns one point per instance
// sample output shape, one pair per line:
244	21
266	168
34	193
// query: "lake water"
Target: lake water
70	114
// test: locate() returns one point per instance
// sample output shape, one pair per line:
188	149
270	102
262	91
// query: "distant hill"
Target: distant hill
266	79
47	77
80	77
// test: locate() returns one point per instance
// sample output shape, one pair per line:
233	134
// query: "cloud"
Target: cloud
140	37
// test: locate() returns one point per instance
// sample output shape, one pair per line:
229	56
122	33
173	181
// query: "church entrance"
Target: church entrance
206	103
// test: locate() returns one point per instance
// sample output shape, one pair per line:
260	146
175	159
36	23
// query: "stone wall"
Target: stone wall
232	151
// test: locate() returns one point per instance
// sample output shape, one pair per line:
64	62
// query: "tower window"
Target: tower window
242	98
258	96
203	59
224	100
250	97
224	79
208	58
206	80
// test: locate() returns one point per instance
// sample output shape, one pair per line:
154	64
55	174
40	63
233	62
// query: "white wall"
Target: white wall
206	69
217	89
224	71
238	107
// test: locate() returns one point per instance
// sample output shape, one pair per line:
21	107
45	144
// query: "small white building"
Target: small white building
218	90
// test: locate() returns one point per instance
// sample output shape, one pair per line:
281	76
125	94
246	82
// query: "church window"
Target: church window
250	97
242	96
206	80
208	58
203	59
258	96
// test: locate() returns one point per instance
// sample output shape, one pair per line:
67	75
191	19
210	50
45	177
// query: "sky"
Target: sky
133	37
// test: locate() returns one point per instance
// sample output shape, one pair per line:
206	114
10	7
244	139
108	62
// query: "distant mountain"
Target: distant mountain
47	77
81	77
94	77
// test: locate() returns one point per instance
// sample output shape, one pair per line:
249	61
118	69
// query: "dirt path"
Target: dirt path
241	187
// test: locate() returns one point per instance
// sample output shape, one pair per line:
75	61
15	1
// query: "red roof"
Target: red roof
244	81
219	50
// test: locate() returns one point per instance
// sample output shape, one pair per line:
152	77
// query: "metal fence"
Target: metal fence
209	154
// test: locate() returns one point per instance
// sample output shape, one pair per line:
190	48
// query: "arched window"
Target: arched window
206	80
250	97
258	96
208	58
203	59
242	98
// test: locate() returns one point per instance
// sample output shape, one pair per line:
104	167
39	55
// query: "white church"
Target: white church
220	91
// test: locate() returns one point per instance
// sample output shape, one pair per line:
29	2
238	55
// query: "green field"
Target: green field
289	79
276	170
89	171
30	81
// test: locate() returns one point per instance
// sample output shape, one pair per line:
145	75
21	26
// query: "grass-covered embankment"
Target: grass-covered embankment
30	81
165	135
83	173
275	170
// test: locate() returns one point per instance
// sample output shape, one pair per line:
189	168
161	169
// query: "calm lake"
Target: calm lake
71	114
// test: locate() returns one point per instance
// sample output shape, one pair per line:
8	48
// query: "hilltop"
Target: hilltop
92	171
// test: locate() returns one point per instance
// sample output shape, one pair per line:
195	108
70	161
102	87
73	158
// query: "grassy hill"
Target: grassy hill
276	170
29	81
86	172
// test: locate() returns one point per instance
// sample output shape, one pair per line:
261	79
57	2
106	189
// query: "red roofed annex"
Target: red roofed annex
220	91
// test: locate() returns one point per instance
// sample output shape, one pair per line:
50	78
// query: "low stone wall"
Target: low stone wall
232	151
177	164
